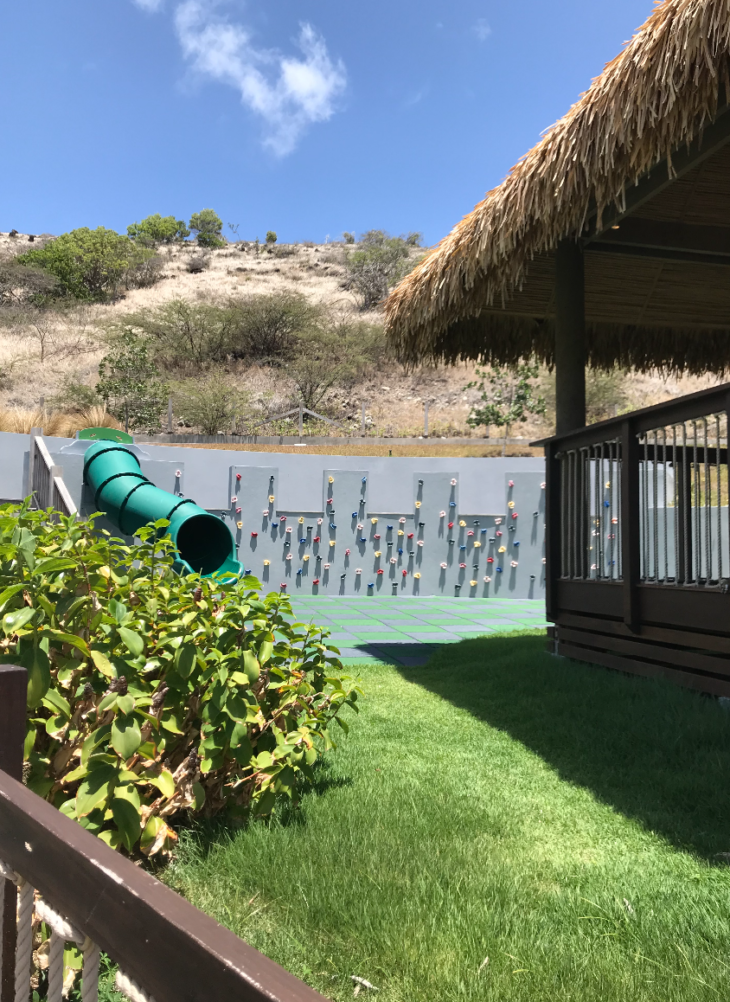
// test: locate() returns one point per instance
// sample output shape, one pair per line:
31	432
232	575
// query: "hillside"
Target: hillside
38	351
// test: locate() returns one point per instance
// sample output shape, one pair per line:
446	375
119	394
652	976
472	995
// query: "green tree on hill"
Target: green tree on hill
158	229
207	226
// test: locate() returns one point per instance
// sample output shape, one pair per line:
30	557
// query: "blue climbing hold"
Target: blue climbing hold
363	539
516	543
606	504
299	571
303	539
400	551
499	570
452	504
354	514
462	547
332	525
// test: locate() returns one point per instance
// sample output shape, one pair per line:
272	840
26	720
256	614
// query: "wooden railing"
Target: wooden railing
46	478
57	872
638	541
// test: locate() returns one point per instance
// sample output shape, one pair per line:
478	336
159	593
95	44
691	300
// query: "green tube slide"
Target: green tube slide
204	543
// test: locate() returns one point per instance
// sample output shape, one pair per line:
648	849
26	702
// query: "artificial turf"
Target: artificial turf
565	822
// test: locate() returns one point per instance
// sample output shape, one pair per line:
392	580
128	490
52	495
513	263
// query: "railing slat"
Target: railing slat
630	545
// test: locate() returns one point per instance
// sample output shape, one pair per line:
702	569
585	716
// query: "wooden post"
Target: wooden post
570	347
362	420
301	420
34	433
425	420
13	693
169	415
553	541
630	524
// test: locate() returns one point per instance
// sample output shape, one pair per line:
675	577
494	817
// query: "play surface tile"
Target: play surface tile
407	630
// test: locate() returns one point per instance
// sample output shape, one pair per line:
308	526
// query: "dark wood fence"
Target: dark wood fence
638	541
166	948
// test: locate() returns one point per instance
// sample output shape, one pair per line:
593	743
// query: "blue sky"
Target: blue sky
308	117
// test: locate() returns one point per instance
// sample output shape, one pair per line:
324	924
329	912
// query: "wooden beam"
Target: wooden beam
570	340
659	253
714	136
13	697
655	234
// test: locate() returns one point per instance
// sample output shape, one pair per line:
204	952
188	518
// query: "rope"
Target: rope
61	926
7	873
131	989
24	945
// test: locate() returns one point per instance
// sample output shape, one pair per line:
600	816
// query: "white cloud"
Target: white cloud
481	29
289	93
150	5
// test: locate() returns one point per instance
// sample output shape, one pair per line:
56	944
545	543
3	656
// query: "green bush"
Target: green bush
207	226
270	237
130	384
152	696
379	263
158	229
349	238
211	404
74	396
258	328
92	264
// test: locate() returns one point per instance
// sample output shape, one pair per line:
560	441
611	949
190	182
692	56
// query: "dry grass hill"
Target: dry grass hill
39	350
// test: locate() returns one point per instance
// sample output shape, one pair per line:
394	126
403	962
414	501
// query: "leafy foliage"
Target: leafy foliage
207	226
507	395
153	695
130	383
92	264
26	285
380	262
270	237
158	229
210	403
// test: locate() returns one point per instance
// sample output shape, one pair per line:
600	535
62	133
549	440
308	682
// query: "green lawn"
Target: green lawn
561	820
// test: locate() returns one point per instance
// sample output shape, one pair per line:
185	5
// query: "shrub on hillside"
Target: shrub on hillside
93	264
130	383
207	226
24	285
74	396
210	404
380	262
158	229
152	696
270	237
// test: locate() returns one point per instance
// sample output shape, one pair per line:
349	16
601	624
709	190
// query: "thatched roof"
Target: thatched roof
486	290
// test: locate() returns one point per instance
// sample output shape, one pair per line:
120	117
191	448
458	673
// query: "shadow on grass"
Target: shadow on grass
655	752
205	833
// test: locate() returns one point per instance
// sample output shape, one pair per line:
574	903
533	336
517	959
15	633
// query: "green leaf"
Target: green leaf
265	651
164	783
125	704
68	638
8	593
14	621
131	640
96	789
118	610
236	708
103	664
185	659
251	666
35	660
54	564
126	737
53	700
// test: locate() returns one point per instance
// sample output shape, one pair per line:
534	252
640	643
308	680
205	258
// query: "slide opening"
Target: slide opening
204	542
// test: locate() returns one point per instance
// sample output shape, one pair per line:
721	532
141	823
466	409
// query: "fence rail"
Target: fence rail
46	478
638	541
56	872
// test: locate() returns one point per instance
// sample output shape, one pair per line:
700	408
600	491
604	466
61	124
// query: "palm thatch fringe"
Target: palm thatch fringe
503	339
657	95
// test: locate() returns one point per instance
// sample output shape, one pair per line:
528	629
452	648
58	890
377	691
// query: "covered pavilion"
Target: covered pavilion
609	242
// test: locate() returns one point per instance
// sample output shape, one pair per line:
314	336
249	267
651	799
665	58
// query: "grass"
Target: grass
418	448
561	820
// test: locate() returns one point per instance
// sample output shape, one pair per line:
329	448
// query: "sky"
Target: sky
306	117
